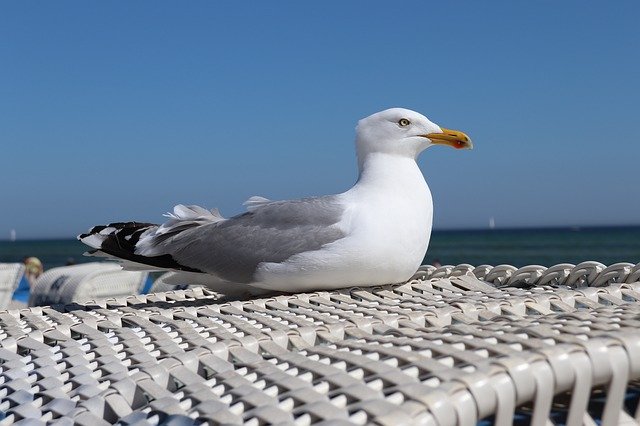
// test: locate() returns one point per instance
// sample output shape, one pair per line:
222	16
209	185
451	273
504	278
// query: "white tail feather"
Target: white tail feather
183	217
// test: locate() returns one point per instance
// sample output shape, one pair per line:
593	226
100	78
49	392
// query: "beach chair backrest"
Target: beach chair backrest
10	275
87	281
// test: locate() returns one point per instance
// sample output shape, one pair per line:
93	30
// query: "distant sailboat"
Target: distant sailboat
492	223
12	235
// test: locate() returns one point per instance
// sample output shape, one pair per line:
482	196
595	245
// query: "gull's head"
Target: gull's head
404	132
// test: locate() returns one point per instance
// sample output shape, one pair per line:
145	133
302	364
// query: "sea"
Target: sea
517	247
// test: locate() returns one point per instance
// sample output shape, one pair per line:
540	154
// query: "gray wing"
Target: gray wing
232	249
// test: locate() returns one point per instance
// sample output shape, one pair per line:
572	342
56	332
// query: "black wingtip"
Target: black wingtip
121	243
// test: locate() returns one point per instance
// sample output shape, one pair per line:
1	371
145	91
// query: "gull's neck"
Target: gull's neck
389	171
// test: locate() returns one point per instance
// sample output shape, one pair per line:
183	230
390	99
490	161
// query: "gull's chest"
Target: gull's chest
399	214
396	222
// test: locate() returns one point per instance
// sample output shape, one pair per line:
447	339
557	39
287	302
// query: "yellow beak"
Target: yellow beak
453	138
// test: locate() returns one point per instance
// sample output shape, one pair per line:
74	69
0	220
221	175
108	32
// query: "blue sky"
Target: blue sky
117	111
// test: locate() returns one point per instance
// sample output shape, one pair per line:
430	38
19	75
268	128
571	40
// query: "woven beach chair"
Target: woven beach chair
87	281
445	348
10	276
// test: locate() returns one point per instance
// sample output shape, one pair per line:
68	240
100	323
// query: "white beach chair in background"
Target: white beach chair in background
87	281
10	276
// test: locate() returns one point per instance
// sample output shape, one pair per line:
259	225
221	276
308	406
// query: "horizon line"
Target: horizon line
475	229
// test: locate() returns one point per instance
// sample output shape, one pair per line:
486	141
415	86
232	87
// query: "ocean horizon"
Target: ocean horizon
515	246
435	230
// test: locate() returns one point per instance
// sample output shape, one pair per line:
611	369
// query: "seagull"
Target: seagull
375	233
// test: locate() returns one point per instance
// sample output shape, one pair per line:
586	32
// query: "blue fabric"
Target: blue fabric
147	284
22	292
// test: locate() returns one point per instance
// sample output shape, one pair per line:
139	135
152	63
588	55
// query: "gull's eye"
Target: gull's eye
403	122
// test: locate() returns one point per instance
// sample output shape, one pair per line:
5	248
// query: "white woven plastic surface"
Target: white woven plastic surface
585	274
448	350
10	275
95	280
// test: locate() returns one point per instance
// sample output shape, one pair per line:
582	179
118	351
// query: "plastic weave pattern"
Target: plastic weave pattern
446	350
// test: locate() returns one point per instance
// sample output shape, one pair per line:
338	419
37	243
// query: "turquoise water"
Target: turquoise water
516	247
536	246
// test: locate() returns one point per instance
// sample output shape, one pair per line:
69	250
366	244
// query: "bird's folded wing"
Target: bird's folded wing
233	248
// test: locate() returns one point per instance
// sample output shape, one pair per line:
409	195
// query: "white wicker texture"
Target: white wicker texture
439	351
590	273
95	280
10	276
